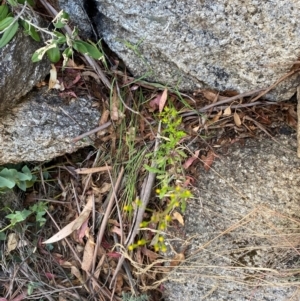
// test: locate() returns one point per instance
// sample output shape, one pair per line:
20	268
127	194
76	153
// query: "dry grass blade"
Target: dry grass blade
91	132
145	195
275	84
86	171
105	218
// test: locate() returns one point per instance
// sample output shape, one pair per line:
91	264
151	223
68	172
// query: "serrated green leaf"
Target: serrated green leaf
9	34
6	22
3	11
89	49
18	216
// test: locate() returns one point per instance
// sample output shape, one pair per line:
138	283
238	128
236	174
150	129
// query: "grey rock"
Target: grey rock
42	127
17	73
191	44
78	16
242	228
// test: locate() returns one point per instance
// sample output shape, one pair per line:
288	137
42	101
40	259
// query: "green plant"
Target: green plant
58	45
9	178
168	160
39	209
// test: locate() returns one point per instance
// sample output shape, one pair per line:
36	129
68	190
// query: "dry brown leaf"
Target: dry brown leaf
98	270
119	284
104	117
88	254
86	171
116	230
72	64
61	297
190	160
177	259
75	271
82	230
74	225
208	160
12	242
178	217
114	113
237	119
163	100
196	128
19	297
217	117
85	213
212	96
91	74
105	187
150	254
227	111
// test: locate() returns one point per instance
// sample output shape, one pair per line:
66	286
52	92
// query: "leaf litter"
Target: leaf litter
87	232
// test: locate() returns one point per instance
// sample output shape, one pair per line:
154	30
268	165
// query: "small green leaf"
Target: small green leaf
78	46
9	34
23	177
61	38
22	185
30	30
26	171
54	54
6	183
68	52
6	22
152	169
30	2
2	236
3	11
89	49
39	53
34	34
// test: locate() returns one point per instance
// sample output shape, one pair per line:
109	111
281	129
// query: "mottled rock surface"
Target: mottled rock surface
79	16
225	45
242	228
42	127
17	73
